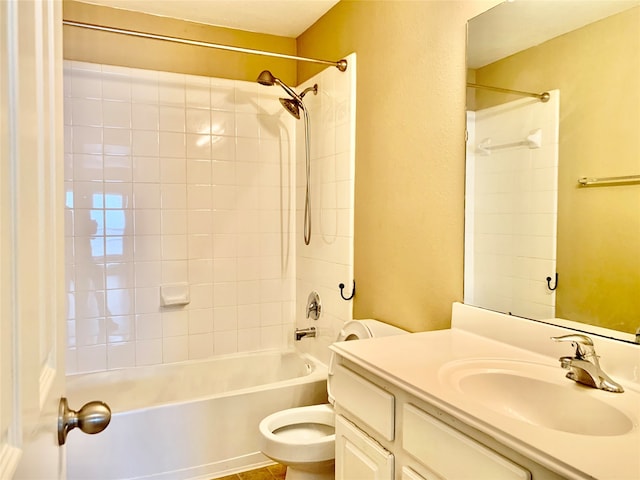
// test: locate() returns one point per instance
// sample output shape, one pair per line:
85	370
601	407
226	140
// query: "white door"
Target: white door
358	456
32	310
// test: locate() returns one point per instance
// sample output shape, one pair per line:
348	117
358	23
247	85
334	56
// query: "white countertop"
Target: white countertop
418	363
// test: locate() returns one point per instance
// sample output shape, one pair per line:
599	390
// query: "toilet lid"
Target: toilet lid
358	330
354	330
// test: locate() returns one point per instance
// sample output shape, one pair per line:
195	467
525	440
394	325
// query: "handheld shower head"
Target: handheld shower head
291	106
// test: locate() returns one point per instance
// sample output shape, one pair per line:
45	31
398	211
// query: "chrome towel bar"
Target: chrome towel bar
585	181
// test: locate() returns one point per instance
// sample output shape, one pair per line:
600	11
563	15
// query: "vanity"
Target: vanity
494	397
486	399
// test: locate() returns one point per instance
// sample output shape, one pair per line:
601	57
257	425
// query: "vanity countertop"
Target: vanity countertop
422	364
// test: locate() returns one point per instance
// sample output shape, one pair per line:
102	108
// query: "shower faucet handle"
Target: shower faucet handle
314	307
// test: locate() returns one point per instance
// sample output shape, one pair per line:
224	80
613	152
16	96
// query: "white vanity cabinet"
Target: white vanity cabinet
360	456
383	432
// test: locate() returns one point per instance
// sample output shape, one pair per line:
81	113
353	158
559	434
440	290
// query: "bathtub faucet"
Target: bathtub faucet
305	332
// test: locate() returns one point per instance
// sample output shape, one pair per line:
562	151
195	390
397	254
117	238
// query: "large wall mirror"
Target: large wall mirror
553	171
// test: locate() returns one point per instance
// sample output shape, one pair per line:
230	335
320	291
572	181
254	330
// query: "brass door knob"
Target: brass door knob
91	418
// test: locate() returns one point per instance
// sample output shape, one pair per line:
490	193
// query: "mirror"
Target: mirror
587	55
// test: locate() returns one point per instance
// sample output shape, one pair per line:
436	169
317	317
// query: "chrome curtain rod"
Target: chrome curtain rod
340	64
543	97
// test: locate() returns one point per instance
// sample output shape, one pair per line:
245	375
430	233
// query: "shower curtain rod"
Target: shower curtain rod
340	64
543	97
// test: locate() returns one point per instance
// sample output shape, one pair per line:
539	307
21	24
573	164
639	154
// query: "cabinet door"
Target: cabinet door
358	456
411	474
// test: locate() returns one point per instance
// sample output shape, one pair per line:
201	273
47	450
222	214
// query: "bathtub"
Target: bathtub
191	420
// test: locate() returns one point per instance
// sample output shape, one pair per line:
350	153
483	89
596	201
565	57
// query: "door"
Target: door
32	310
358	456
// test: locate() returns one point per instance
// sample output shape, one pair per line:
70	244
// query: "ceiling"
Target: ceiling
530	21
526	23
288	18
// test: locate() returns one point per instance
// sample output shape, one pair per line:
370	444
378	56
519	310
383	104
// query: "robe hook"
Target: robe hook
549	283
353	292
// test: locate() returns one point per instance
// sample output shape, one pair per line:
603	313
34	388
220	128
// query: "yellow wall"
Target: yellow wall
114	49
597	69
410	150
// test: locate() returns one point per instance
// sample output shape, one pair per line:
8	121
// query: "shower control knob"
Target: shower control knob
314	307
92	418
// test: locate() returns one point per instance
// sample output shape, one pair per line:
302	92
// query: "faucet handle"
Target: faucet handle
574	337
583	344
314	307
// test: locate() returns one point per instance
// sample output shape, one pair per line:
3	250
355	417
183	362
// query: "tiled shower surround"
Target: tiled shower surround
511	214
183	182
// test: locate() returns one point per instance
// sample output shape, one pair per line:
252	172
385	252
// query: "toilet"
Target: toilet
303	438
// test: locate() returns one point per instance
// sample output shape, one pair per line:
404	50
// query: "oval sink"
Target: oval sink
528	392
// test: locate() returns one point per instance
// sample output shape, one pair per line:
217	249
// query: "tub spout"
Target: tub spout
305	332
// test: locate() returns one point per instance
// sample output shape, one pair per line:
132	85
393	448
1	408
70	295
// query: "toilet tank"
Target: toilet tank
369	328
360	330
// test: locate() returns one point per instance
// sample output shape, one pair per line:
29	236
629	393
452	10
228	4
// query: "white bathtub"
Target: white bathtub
188	420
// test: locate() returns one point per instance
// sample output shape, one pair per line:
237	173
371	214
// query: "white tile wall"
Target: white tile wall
512	209
174	178
328	259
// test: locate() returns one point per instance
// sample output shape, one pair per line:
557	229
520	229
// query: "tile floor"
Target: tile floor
272	472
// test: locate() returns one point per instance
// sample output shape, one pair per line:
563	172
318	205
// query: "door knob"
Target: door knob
92	418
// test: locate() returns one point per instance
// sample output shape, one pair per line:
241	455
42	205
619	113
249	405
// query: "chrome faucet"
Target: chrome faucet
305	332
314	307
585	367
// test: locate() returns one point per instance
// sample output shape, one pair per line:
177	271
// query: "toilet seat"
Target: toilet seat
292	447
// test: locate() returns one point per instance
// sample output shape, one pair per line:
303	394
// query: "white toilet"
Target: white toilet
303	438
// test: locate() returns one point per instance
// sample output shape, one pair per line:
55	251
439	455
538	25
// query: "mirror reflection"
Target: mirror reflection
541	242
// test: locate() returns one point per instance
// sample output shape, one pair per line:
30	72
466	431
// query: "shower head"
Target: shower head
267	78
291	106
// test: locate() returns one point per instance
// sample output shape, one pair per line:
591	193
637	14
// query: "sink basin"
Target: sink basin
537	394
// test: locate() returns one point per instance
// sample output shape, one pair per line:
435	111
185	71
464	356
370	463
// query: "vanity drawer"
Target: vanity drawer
450	453
371	404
